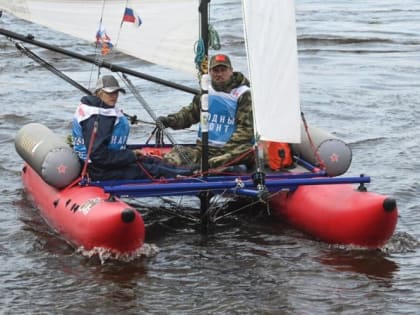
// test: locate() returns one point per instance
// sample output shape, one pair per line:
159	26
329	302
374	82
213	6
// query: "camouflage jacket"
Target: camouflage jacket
242	139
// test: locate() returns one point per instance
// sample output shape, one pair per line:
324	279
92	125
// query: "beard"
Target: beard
222	86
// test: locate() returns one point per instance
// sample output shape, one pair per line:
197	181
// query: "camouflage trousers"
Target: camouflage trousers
191	156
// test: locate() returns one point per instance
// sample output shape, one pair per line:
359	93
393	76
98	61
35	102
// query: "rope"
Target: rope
141	166
200	50
92	140
121	24
200	56
232	162
214	39
314	150
251	204
49	67
100	26
151	113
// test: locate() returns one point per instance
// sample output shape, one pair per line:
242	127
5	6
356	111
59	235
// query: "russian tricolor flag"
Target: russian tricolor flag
131	16
103	40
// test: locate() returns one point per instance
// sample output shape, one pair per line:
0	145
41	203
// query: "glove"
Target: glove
138	153
217	161
162	121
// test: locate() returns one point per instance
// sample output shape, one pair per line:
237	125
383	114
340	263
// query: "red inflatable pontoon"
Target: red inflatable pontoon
86	216
339	214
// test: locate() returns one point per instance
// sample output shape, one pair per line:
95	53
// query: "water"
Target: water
359	69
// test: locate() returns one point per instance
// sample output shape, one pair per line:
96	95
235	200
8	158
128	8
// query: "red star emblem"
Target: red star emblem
62	169
334	157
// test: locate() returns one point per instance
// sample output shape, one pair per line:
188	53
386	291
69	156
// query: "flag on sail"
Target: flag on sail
103	40
131	16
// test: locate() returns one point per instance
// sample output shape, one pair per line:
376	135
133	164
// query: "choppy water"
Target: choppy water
359	73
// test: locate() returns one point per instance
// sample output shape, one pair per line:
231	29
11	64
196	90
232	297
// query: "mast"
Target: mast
204	113
204	81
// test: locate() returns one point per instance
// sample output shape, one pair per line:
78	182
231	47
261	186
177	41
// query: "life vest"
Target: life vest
278	154
222	115
119	133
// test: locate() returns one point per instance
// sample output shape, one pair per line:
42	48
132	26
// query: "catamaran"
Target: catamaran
313	195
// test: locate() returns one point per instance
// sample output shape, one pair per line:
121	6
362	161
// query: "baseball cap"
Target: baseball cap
220	60
109	84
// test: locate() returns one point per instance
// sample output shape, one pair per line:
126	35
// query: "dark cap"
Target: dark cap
220	60
109	84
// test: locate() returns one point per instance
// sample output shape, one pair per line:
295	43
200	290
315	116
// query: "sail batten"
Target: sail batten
166	36
270	37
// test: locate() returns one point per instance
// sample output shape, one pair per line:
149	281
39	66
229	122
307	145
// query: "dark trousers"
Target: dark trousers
149	168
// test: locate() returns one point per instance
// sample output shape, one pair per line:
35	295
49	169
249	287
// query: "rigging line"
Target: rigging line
60	74
100	62
138	96
213	209
245	207
214	38
200	55
121	25
179	215
175	212
99	30
84	173
178	210
151	113
221	168
50	67
102	13
314	150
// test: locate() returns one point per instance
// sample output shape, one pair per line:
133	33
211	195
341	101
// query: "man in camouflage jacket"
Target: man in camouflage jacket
233	88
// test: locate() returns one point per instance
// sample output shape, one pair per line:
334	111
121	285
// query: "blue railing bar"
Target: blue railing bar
244	177
190	187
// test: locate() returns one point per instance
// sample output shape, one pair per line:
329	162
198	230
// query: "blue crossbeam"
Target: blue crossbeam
221	184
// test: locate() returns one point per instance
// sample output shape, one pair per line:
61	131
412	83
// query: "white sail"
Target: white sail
167	35
271	44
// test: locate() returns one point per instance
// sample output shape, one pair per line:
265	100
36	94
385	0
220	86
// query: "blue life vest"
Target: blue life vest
222	115
119	133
